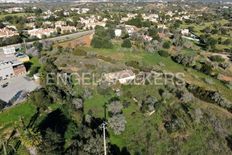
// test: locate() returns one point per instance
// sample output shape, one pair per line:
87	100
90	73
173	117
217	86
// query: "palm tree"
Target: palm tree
6	147
28	137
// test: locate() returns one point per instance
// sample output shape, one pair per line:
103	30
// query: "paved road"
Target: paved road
59	38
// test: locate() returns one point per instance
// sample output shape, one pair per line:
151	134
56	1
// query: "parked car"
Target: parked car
4	85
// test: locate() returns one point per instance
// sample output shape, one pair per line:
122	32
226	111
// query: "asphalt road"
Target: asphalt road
59	38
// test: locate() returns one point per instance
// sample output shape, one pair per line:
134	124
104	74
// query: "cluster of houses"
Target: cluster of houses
92	21
40	32
174	15
80	10
49	28
14	10
6	33
59	26
12	63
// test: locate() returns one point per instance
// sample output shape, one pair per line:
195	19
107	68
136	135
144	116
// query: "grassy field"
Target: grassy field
15	14
11	115
154	59
9	118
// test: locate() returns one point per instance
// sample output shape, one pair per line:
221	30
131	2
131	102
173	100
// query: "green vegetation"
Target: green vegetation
127	43
163	53
101	38
2	16
181	104
33	66
12	115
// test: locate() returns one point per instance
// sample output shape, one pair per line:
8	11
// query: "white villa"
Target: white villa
118	32
39	33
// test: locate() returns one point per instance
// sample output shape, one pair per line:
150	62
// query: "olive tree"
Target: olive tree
117	123
115	107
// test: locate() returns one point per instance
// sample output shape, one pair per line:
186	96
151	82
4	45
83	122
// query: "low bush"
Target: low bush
126	43
163	53
79	52
216	58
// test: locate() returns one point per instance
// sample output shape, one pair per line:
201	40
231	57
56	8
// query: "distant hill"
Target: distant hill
26	1
138	0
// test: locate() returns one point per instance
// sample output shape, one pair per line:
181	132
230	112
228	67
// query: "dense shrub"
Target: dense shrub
224	65
41	99
126	43
174	124
227	42
216	58
148	105
133	63
101	38
207	68
163	53
34	70
99	42
167	44
139	22
210	96
183	59
79	52
2	104
10	40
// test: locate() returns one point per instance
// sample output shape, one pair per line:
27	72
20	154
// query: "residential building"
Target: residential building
39	33
161	26
147	38
6	33
185	32
67	29
48	24
129	16
91	22
9	69
60	23
130	29
80	10
30	25
19	69
31	18
151	17
14	9
85	10
118	32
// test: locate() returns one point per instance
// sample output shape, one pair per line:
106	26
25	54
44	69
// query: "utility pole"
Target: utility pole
104	136
104	128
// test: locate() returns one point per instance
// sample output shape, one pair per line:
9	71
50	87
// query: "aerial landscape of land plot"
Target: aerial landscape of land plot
115	77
